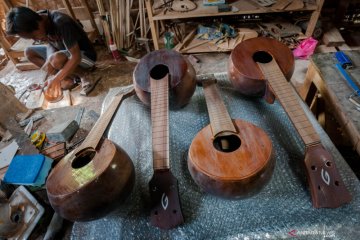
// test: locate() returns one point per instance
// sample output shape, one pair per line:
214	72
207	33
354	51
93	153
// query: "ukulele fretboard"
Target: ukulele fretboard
100	126
160	122
220	119
286	95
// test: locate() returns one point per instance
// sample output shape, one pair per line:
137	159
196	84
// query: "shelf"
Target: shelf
244	6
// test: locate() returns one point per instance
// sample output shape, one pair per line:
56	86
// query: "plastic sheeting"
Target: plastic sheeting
283	209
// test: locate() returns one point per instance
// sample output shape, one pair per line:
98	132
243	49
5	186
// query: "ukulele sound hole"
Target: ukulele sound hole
159	72
83	159
227	143
262	57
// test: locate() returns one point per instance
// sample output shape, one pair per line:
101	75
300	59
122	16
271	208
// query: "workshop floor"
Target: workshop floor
113	74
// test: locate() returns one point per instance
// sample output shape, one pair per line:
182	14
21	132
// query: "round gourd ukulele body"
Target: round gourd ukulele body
229	158
95	178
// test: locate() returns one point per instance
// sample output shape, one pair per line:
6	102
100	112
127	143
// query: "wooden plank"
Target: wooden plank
307	92
324	49
186	40
69	8
10	106
212	11
333	38
314	18
26	66
91	16
335	91
153	28
244	34
101	8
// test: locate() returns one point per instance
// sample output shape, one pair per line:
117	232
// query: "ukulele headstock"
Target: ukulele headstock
166	210
326	185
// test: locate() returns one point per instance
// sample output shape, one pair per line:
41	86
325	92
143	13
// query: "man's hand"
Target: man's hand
53	91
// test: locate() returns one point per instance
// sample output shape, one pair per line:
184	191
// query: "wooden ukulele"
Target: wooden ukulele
166	211
326	186
229	158
96	177
154	76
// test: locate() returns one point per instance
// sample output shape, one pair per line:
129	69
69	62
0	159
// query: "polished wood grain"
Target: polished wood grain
182	76
236	174
270	60
220	120
94	179
287	97
323	177
166	209
243	72
160	122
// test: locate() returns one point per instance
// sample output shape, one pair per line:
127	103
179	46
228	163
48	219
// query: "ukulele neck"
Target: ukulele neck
287	97
160	122
220	120
96	133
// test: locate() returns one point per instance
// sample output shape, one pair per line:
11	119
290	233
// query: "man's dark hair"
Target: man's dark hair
22	20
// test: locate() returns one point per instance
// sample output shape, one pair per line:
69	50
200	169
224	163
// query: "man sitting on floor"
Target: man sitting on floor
69	54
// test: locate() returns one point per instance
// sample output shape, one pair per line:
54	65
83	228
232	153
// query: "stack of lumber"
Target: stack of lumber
123	26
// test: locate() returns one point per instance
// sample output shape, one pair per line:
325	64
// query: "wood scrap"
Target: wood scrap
195	45
333	38
295	5
281	4
186	40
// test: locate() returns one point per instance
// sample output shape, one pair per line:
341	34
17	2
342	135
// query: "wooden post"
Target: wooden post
69	8
314	18
152	24
91	16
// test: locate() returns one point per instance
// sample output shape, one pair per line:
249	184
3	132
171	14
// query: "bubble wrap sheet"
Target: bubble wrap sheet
283	209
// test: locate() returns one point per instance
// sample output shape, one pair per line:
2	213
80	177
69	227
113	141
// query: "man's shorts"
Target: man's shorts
41	50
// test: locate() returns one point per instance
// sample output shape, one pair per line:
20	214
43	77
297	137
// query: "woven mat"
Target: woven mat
283	208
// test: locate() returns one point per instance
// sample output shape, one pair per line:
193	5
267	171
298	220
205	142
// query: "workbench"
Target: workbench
322	76
281	210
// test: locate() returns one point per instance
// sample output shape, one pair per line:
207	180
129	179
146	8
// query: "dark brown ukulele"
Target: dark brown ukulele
229	158
96	177
157	74
326	186
166	212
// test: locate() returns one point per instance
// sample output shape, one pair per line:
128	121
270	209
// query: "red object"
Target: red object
114	51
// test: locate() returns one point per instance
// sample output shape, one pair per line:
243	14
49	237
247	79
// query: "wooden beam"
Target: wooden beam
7	5
314	18
69	8
91	16
153	28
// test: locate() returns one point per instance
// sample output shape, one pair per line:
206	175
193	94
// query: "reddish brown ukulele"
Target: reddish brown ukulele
95	178
166	212
261	55
156	74
229	158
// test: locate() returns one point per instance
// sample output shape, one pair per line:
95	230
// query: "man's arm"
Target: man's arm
54	89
